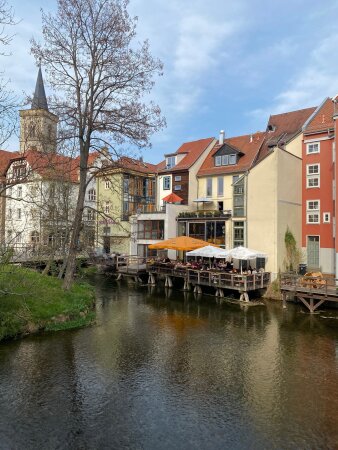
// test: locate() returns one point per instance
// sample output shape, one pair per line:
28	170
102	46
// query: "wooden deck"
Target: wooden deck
220	281
311	291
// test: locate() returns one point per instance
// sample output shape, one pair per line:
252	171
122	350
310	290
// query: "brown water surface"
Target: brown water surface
168	372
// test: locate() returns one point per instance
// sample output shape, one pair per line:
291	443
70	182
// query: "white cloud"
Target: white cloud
313	80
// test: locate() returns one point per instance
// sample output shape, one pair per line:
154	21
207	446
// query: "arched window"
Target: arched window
35	237
92	195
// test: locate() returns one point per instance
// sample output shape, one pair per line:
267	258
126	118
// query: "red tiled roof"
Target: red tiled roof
5	157
323	119
193	151
136	164
50	165
285	127
242	144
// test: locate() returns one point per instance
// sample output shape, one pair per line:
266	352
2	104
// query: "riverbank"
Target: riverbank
31	302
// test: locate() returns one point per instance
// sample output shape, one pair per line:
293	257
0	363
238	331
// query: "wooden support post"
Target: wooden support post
221	292
119	277
244	297
284	299
186	286
198	289
151	279
168	282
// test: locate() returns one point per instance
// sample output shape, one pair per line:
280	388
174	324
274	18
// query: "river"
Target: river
167	372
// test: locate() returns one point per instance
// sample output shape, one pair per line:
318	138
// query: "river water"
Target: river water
167	372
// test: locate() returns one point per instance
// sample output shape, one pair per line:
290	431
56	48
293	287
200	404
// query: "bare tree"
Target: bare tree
91	58
8	102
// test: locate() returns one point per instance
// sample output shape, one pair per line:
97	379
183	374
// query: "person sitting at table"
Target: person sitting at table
249	269
228	267
166	260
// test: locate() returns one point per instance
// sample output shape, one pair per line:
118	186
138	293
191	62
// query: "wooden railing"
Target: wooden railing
310	284
242	282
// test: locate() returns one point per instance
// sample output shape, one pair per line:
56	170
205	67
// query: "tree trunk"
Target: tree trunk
71	260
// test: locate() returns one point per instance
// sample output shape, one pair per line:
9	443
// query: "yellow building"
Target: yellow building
250	187
122	189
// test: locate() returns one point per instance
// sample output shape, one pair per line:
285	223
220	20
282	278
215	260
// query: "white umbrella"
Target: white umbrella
209	251
246	253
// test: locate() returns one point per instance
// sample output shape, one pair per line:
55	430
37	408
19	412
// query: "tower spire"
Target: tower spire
39	99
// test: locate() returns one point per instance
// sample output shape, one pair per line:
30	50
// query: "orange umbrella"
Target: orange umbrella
183	243
172	198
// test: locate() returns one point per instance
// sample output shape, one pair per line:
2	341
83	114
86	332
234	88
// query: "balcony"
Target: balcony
206	214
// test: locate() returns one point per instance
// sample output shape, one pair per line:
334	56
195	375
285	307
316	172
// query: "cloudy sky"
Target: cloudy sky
228	64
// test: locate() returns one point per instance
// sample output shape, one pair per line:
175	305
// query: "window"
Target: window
209	187
178	187
312	147
106	208
19	172
235	178
312	211
312	182
225	160
106	231
312	169
326	217
19	192
239	198
19	213
92	195
171	162
232	159
150	229
35	237
107	184
239	233
220	186
90	214
312	175
10	192
178	178
166	183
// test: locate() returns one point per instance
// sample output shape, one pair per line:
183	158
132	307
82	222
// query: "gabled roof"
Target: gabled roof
322	118
284	127
192	150
248	145
5	158
51	166
137	165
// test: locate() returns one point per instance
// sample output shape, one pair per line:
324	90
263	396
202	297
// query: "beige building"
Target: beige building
123	189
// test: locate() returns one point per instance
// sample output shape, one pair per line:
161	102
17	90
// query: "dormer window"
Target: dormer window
225	160
170	162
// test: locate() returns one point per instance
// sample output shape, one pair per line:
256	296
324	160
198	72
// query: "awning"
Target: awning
203	200
184	243
172	198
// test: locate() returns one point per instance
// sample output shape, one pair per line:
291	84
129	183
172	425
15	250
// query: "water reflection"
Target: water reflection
162	369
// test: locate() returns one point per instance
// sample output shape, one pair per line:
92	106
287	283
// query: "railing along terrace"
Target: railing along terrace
245	282
205	214
309	284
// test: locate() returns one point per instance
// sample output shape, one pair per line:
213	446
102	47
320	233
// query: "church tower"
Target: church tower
38	126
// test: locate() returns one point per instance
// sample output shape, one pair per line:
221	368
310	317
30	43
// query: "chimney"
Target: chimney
221	137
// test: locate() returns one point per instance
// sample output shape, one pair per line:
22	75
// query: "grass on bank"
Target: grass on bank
30	301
